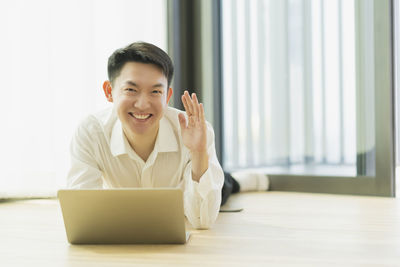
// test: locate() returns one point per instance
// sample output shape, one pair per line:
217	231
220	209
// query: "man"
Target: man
142	142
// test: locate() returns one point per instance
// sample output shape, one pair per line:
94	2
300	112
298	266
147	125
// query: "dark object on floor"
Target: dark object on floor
230	186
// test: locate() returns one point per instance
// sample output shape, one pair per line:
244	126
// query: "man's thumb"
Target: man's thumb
182	120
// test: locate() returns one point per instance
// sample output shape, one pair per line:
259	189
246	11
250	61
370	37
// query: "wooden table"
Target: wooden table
274	229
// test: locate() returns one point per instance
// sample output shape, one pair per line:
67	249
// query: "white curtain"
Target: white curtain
53	62
293	92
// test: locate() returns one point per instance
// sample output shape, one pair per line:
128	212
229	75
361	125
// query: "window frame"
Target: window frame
380	184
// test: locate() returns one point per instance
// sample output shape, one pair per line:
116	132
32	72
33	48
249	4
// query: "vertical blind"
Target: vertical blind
290	82
397	75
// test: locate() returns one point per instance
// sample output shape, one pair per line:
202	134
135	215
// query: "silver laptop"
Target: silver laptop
124	216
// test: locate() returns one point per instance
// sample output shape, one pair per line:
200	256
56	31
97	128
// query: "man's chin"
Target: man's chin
135	127
143	130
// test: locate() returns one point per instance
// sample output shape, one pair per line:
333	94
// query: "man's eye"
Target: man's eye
156	92
130	90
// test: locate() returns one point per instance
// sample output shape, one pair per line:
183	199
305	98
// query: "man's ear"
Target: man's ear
108	91
169	94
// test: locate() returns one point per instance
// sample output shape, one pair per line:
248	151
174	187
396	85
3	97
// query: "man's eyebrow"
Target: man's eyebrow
131	83
157	85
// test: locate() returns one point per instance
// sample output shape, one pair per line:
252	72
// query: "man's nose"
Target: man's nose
142	102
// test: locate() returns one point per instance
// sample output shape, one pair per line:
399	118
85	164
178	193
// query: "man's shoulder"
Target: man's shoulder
98	122
172	115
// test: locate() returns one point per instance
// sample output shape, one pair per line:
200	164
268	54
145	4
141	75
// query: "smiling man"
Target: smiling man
142	142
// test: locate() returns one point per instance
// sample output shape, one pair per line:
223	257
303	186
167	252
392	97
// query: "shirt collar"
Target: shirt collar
166	139
119	145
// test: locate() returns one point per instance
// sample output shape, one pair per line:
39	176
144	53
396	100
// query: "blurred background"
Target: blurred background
302	90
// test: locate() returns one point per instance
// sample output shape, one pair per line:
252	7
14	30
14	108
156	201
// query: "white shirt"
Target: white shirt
101	157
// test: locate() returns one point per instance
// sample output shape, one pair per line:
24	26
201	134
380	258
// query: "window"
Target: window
307	93
53	62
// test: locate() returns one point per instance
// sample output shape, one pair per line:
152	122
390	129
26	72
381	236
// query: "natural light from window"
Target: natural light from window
53	63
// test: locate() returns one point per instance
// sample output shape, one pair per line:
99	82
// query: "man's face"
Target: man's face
140	95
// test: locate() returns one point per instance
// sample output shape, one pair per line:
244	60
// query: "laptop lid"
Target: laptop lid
123	216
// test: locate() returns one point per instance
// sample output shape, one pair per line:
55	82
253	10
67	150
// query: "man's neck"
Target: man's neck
143	145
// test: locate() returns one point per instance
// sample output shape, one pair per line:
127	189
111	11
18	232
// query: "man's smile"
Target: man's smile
140	116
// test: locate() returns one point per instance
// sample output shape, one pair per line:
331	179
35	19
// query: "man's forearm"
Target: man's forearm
199	165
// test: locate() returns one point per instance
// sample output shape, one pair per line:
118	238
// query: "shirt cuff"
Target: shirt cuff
206	184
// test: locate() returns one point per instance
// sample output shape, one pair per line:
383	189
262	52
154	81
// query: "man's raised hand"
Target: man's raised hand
194	129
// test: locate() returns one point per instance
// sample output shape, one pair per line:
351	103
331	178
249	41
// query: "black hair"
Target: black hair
139	52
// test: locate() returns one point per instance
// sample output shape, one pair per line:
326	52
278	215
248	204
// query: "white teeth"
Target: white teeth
141	117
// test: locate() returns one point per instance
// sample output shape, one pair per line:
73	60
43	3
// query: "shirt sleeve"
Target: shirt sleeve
202	199
84	171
